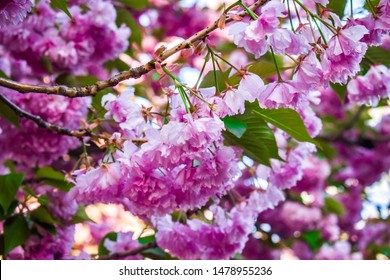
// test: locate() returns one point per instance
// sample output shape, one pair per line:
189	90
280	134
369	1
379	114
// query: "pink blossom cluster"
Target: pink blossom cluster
13	11
35	146
181	166
81	44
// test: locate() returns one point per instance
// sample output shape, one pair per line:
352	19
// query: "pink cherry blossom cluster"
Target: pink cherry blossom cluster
169	162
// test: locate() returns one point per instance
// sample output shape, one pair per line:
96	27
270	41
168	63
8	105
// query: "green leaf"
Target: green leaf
258	141
136	4
264	69
102	251
9	185
289	121
11	210
333	206
157	254
235	126
3	75
53	178
8	114
15	232
86	80
341	91
49	173
373	2
117	64
147	239
42	215
81	216
313	239
378	55
338	7
62	5
209	79
123	16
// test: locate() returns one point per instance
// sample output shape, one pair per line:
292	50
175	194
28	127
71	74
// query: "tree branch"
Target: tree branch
56	128
134	73
128	253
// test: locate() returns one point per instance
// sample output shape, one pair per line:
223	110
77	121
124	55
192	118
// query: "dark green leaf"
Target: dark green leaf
53	178
2	244
9	185
10	211
3	75
258	141
235	126
123	16
327	151
47	64
264	69
66	79
15	232
136	4
378	55
338	7
117	64
341	91
373	2
9	114
209	79
289	121
313	239
81	216
333	206
62	5
147	239
86	80
42	215
157	254
102	251
49	173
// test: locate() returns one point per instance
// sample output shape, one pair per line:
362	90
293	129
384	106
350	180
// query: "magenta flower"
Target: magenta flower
13	11
252	36
285	41
370	88
35	146
222	239
123	243
279	94
309	74
344	54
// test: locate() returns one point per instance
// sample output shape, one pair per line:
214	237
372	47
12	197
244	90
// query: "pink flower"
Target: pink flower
344	54
97	185
222	239
123	243
252	36
279	94
309	74
124	110
35	146
248	90
370	88
13	11
285	41
341	250
300	217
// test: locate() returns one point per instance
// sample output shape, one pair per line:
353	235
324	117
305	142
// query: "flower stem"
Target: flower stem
330	27
249	11
276	65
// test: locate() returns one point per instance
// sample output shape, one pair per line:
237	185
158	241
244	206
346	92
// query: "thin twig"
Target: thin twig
56	128
134	73
41	123
133	252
